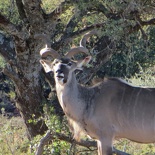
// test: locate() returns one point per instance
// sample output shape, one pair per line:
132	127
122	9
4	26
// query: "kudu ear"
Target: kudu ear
46	65
85	61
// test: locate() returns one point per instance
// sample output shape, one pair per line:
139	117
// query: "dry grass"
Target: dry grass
134	148
13	140
13	136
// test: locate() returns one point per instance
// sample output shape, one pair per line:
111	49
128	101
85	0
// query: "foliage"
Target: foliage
9	9
144	78
55	146
56	125
49	6
132	53
2	63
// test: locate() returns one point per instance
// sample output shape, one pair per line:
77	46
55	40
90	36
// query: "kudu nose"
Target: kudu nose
59	71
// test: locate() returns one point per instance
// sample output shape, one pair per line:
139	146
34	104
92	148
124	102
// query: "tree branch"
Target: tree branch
44	140
71	25
9	27
81	143
115	16
139	25
34	13
21	10
49	137
59	10
118	152
69	37
101	8
12	75
86	29
6	47
19	35
148	22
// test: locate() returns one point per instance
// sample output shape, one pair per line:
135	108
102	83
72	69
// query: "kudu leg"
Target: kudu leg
104	147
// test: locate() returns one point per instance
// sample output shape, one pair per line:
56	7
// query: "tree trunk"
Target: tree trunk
24	71
29	90
29	102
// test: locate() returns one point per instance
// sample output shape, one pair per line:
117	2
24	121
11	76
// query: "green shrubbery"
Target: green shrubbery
9	9
132	54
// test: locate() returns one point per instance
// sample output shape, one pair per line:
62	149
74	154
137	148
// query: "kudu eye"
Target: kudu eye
55	62
69	64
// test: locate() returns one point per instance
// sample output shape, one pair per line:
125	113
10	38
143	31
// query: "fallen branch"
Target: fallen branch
118	152
44	140
51	136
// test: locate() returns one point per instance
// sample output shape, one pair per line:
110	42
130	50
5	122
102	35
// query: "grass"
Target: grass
13	140
134	148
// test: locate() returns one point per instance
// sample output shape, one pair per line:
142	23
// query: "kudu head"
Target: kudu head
64	66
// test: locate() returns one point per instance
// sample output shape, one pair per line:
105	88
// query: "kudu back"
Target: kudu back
108	110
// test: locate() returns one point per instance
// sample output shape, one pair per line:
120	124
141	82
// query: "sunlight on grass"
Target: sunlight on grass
49	5
2	62
13	140
134	148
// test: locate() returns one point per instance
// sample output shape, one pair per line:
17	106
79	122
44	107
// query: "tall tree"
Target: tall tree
61	28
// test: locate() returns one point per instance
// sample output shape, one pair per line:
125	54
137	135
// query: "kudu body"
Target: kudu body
108	110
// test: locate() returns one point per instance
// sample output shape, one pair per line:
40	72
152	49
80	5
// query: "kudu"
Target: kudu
106	111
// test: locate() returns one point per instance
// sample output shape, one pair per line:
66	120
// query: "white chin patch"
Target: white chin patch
60	78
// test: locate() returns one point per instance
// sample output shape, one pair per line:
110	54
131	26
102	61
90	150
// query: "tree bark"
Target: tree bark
26	76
